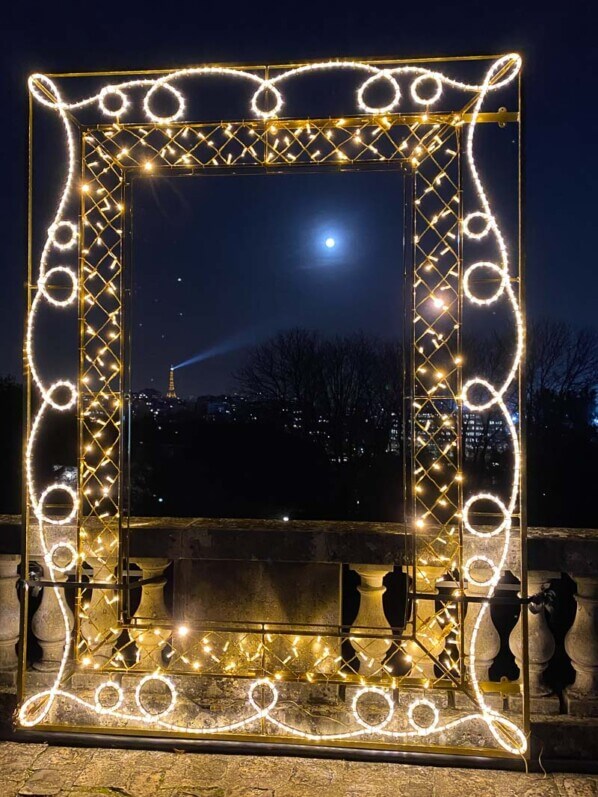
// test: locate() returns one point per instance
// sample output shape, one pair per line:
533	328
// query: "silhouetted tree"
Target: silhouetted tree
561	371
350	386
561	377
345	394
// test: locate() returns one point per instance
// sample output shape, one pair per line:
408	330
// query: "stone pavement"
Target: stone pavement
45	771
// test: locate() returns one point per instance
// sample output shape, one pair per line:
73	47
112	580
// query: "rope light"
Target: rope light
109	91
36	708
62	225
102	688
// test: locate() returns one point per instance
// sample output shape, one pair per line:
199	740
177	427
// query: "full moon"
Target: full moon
330	242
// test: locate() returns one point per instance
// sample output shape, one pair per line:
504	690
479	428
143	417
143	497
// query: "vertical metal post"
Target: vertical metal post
24	624
524	675
126	398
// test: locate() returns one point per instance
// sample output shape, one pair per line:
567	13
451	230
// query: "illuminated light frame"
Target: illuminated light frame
502	71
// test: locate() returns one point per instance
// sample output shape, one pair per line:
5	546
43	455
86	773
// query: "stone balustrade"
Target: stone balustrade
563	631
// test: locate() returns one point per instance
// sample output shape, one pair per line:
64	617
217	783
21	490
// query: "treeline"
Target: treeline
330	443
355	384
345	391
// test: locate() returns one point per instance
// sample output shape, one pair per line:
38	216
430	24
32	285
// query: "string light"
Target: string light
50	558
63	225
271	84
109	91
417	83
394	101
36	708
102	688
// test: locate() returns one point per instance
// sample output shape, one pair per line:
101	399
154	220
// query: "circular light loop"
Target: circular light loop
476	561
61	546
484	405
112	91
373	690
97	698
43	285
467	222
426	100
486	300
39	509
423	729
254	704
68	402
383	74
267	86
62	225
163	680
505	523
175	93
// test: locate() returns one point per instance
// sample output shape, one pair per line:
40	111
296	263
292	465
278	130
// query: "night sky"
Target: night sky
223	262
239	263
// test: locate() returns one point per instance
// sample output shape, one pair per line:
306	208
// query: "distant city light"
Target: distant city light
286	518
330	243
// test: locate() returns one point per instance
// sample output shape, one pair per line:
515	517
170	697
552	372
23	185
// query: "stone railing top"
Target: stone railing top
570	550
271	540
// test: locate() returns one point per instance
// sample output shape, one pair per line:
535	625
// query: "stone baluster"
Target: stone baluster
581	643
429	631
371	651
99	616
151	613
541	644
48	624
9	616
487	638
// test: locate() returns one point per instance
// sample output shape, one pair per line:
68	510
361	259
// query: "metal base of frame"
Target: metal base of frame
430	759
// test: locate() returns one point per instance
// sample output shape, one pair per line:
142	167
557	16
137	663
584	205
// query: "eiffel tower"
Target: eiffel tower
171	392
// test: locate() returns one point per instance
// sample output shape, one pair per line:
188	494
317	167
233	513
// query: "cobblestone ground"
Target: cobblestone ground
36	769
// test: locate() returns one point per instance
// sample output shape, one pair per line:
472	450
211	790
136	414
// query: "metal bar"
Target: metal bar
288	122
142	740
291	65
461	607
523	420
112	585
80	365
126	387
24	532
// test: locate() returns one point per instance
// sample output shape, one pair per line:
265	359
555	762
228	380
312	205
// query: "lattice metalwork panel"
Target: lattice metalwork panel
390	138
435	425
374	685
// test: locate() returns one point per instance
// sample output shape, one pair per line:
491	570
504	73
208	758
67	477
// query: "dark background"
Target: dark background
223	263
560	127
558	47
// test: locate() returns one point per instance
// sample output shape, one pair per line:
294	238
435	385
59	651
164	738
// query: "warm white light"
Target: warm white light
113	100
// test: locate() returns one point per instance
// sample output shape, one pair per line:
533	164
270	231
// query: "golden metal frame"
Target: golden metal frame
425	144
